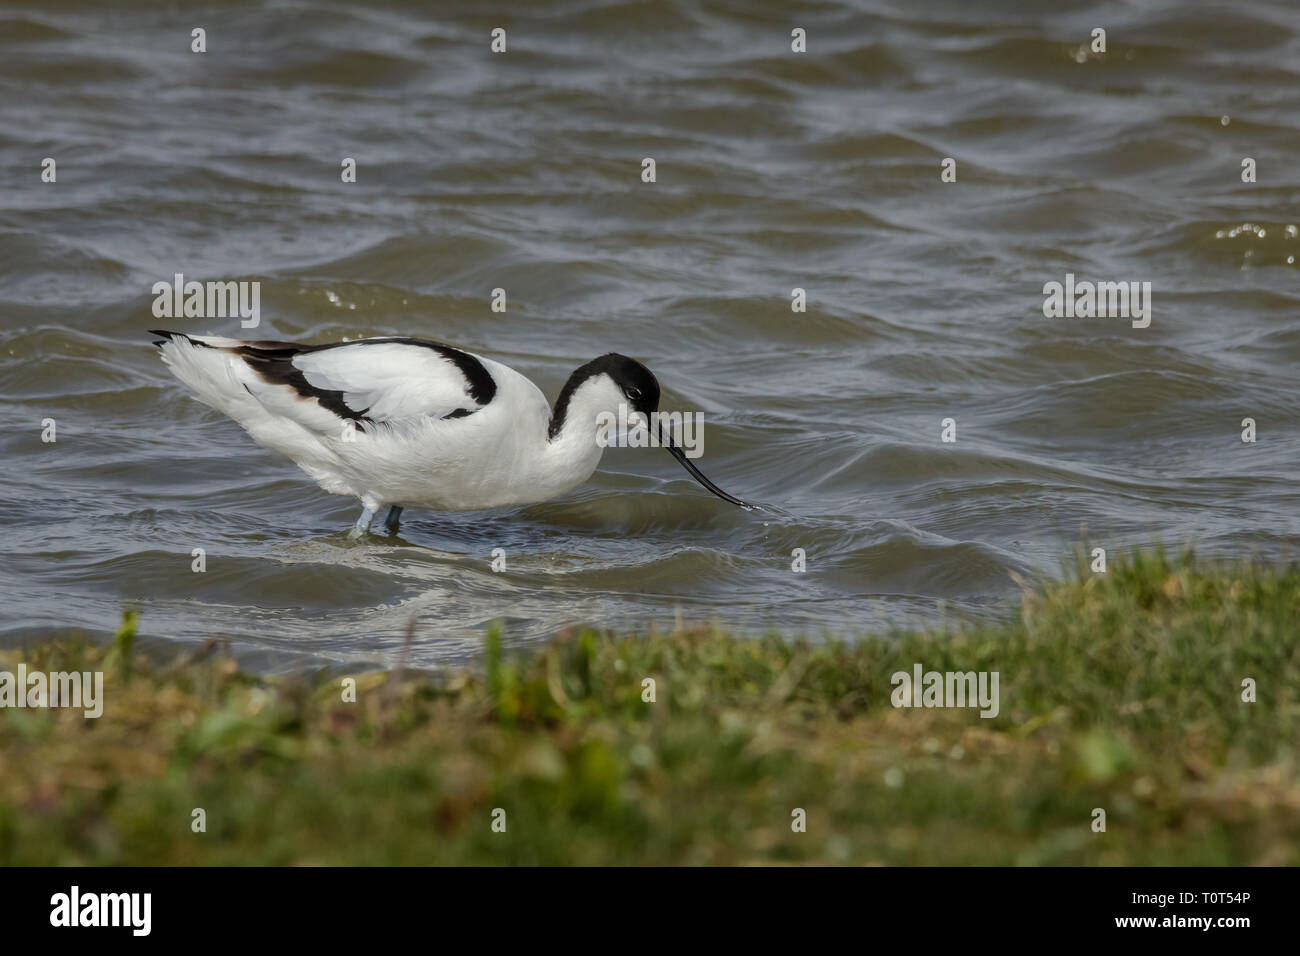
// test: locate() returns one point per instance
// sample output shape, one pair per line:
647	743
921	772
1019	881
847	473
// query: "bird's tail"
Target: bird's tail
205	364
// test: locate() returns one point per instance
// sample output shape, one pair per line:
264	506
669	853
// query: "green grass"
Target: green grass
1120	691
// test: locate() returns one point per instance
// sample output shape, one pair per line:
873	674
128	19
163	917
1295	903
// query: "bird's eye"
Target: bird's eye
633	392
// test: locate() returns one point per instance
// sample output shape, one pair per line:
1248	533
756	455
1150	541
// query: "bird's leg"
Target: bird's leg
393	519
363	523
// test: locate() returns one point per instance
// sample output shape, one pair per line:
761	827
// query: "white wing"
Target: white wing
370	381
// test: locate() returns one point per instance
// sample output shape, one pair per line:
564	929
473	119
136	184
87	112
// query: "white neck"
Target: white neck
569	458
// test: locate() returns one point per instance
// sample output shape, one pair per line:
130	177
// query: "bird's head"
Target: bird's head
612	381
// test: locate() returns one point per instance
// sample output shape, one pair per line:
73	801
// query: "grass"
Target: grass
1120	691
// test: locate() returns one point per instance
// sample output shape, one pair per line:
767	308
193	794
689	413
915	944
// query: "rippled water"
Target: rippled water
775	170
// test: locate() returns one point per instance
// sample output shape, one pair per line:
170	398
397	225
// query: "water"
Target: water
774	171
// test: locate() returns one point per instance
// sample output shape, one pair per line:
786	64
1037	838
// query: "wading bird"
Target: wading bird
404	422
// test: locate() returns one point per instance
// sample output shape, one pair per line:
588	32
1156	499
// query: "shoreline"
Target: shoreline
1123	691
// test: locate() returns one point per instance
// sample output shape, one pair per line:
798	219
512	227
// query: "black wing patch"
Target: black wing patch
482	386
273	361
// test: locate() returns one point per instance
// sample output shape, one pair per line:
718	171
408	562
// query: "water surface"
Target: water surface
775	170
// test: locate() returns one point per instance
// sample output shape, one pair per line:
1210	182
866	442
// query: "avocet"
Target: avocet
405	422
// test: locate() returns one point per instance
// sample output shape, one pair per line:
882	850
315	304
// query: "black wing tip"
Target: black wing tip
169	336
